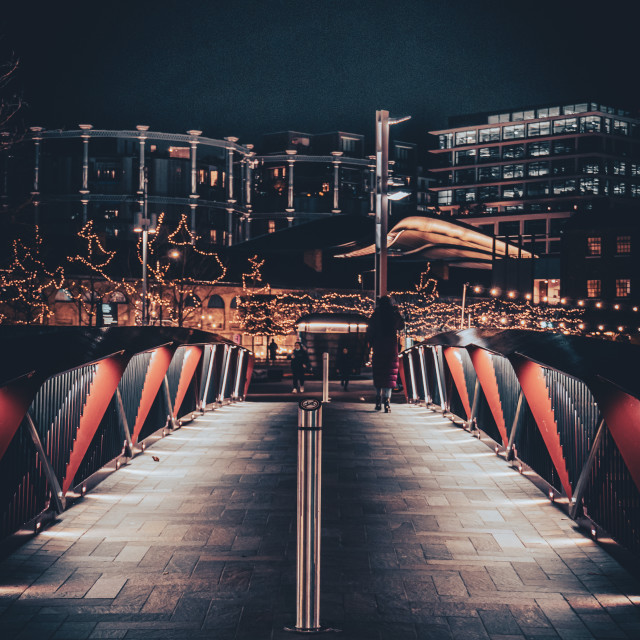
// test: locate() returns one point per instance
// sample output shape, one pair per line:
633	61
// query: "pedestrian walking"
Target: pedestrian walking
384	325
299	362
344	365
273	350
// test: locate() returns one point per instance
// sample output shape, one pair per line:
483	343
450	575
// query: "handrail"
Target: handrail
75	401
563	407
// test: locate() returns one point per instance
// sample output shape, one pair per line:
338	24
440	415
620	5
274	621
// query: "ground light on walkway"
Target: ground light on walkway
421	538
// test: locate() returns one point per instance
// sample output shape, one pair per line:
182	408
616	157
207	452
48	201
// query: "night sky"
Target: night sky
247	67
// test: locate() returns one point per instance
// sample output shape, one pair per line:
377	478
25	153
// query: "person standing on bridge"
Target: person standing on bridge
299	361
384	325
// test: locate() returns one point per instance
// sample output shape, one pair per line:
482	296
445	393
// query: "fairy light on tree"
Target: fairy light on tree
27	284
179	274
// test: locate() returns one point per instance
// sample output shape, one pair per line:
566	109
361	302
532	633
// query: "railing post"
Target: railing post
207	383
124	424
575	506
225	371
325	377
443	399
56	491
236	387
308	517
425	380
167	396
412	375
514	427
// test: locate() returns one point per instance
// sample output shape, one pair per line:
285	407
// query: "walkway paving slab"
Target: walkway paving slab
426	534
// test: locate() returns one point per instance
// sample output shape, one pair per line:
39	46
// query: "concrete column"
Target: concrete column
84	191
193	196
230	193
290	153
143	138
37	139
248	177
229	227
372	186
336	181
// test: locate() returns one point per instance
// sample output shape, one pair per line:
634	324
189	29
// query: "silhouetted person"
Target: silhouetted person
384	325
273	350
299	361
344	365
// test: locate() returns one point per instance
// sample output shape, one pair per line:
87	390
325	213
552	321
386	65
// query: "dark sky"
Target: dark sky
248	67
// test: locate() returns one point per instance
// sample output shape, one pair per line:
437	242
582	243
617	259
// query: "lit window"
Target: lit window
623	287
510	171
214	178
619	167
539	129
621	127
488	174
590	124
272	226
445	197
466	137
539	149
513	191
513	132
489	135
213	235
623	244
489	154
593	288
565	125
594	246
179	152
590	186
538	169
619	188
445	140
202	176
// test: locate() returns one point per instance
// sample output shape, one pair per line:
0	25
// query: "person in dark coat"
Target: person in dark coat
344	365
273	350
384	325
299	360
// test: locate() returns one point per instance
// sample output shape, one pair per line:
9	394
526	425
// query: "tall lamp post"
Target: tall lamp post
464	299
145	225
383	122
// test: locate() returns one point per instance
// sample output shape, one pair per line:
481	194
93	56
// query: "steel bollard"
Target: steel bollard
325	377
308	518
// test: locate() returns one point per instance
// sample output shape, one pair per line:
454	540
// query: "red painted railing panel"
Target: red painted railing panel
104	384
457	373
535	390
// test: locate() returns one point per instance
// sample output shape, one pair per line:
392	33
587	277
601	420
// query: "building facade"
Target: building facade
230	192
525	172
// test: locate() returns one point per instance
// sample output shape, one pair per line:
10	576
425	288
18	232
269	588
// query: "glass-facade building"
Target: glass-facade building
522	173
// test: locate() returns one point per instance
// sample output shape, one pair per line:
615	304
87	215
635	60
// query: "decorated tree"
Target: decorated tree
181	274
26	284
92	281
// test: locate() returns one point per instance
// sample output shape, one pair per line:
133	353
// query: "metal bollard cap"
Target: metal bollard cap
309	414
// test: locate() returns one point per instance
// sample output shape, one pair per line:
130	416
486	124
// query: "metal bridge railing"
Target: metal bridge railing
564	407
74	401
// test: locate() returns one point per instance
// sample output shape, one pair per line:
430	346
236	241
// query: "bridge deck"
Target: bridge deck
426	534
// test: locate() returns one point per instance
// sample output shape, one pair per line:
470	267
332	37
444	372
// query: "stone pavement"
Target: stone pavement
426	534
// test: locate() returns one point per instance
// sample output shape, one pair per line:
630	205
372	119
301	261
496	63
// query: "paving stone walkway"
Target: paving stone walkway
426	534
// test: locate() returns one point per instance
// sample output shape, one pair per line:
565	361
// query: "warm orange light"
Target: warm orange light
600	327
511	294
581	303
580	326
174	254
620	328
616	306
563	300
477	289
545	299
598	304
528	296
494	292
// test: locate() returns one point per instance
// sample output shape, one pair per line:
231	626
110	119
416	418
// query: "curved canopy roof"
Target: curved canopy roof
435	238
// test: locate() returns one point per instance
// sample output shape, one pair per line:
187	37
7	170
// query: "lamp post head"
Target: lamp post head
399	120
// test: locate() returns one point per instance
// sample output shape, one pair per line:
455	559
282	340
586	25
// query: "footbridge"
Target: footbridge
143	495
